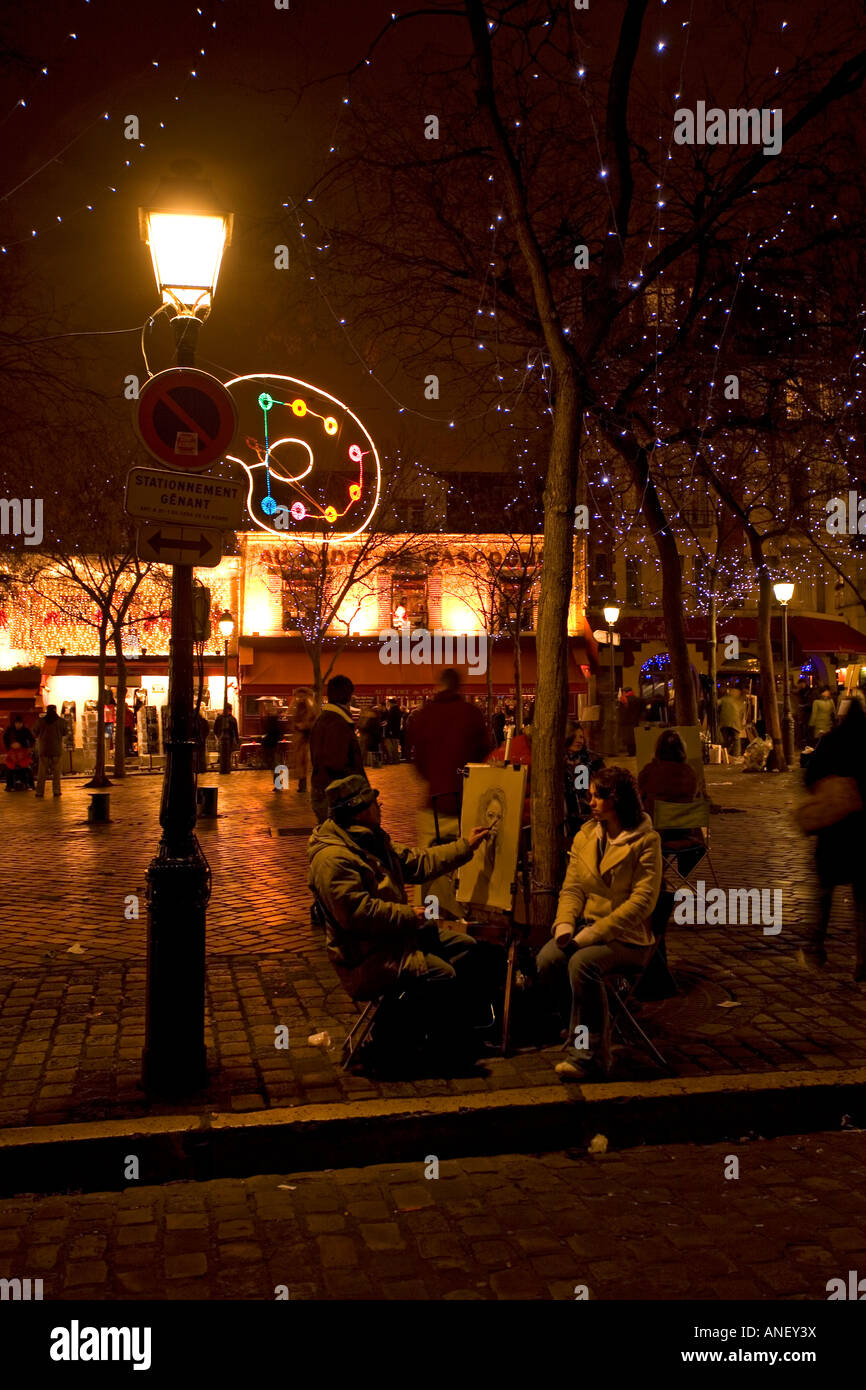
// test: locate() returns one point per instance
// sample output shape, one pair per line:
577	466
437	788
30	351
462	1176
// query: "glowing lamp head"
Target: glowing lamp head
331	426
226	623
611	613
354	491
331	515
784	590
299	407
298	511
187	234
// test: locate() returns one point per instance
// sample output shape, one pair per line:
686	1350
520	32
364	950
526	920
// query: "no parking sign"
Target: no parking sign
186	418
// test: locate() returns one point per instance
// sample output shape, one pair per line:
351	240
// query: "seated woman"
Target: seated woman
580	764
670	778
603	917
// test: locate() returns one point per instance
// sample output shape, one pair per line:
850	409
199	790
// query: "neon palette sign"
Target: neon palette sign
312	467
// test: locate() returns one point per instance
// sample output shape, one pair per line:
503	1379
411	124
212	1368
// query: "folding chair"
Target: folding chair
684	815
622	988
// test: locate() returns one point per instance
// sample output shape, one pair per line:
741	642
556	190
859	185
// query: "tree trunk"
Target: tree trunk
551	695
314	652
713	643
672	599
489	681
99	779
518	685
120	716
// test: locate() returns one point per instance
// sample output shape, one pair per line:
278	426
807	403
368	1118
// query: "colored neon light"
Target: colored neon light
268	466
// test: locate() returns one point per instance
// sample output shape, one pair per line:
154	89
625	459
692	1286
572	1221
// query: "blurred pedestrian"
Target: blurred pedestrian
443	736
50	732
836	777
302	717
823	715
731	719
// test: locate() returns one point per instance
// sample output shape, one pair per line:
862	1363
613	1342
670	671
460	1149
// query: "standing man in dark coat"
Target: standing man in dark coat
334	747
443	736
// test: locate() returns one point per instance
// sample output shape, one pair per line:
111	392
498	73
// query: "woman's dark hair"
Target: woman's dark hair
670	747
51	715
618	783
340	690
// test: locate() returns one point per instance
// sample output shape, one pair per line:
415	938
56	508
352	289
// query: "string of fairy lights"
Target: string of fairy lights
30	101
608	507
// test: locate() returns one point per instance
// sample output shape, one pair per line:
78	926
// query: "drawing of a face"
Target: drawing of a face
493	818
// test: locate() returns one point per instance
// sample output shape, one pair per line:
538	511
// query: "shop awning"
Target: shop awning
280	663
827	635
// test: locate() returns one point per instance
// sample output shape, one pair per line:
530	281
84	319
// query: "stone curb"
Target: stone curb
92	1156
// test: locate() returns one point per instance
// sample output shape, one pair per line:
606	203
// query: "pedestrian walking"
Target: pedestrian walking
731	719
18	742
393	719
498	722
50	732
834	813
302	717
823	715
334	748
443	736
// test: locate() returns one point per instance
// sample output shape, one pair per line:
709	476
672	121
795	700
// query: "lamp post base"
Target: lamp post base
178	889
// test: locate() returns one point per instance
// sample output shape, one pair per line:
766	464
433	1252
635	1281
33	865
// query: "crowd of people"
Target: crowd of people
33	756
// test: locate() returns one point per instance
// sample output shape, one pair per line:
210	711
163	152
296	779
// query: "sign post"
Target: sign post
187	420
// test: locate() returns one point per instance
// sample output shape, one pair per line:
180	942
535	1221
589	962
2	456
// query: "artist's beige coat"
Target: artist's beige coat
615	898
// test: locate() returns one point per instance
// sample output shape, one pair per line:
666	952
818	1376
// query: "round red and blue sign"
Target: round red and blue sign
186	418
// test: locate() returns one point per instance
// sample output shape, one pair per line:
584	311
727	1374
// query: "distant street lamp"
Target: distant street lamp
226	625
187	234
611	615
784	591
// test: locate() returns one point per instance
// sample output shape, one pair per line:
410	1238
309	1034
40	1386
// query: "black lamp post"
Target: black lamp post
784	591
226	625
611	615
186	234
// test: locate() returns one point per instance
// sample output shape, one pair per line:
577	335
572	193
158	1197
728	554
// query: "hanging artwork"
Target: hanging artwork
492	797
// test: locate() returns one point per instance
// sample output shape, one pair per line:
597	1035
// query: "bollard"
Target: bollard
207	798
99	809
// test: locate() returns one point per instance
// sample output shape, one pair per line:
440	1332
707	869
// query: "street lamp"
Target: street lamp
784	591
611	615
226	625
187	234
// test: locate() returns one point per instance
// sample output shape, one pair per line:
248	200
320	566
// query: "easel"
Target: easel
515	932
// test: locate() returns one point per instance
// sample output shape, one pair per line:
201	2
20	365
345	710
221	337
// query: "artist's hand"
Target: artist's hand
477	836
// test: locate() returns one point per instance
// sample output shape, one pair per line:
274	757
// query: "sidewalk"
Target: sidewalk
649	1224
71	1023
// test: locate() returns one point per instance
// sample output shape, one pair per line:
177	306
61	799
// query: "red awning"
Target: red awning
827	635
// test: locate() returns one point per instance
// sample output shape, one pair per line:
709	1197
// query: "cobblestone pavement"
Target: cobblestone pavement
651	1223
72	968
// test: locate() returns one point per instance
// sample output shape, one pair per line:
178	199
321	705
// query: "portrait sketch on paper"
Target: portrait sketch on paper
492	797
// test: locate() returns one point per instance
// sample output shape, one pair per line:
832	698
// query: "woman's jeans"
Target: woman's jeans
571	980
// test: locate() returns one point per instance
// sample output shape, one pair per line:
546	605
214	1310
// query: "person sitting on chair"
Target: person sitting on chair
603	918
670	778
374	936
